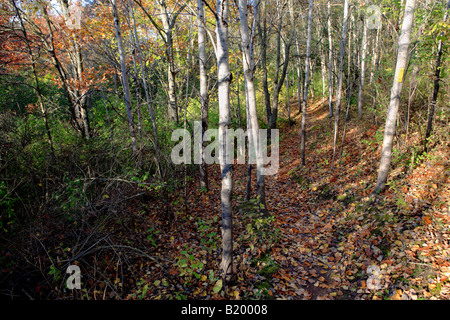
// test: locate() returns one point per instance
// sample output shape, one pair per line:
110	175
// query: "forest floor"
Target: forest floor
326	237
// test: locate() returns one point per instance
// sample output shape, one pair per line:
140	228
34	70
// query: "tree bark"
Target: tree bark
203	88
171	72
340	78
226	167
391	118
249	70
79	98
279	79
125	83
437	79
330	60
306	87
363	69
262	31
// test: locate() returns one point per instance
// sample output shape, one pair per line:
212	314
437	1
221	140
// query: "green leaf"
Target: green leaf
217	286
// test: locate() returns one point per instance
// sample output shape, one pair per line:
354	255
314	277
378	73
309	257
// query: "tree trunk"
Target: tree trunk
249	69
203	89
437	78
297	55
363	68
168	23
279	79
79	98
330	61
391	118
340	79
226	167
126	86
147	88
305	92
376	56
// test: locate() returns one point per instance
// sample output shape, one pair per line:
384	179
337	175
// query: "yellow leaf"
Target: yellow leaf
217	286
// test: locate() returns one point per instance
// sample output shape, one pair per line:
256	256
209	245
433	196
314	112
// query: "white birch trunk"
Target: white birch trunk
391	118
363	69
340	78
203	87
305	92
226	167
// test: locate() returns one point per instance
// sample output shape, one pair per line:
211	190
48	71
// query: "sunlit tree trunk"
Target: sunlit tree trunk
297	54
330	60
363	68
203	87
226	167
249	72
340	78
171	72
305	92
263	39
391	118
280	75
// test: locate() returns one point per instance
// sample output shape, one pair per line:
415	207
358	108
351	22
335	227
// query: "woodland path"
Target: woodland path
330	229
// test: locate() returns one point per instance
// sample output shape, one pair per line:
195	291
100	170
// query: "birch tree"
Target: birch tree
249	72
363	68
391	118
330	59
226	167
305	92
203	87
340	77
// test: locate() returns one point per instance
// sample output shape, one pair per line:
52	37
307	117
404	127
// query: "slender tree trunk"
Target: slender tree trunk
340	78
305	92
323	71
147	88
263	38
279	79
391	118
376	56
330	60
437	79
126	86
134	56
226	167
297	55
363	69
75	119
203	88
249	70
288	100
168	23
